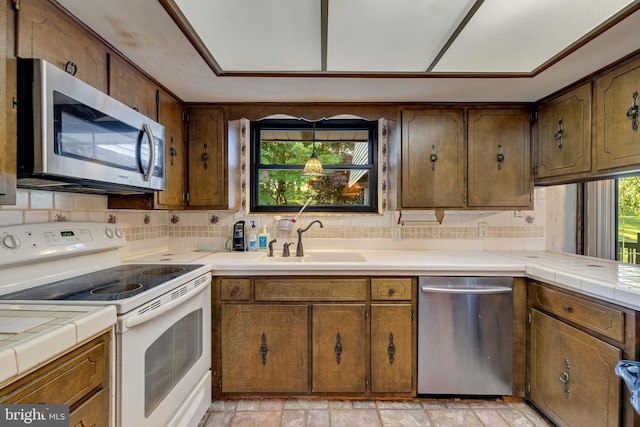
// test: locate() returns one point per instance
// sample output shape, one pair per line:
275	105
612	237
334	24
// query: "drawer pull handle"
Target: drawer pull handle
392	291
391	349
567	308
338	348
234	290
263	349
632	113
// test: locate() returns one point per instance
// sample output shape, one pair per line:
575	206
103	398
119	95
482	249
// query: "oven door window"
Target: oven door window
170	357
83	133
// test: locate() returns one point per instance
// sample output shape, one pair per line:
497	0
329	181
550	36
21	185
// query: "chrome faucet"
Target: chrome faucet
299	249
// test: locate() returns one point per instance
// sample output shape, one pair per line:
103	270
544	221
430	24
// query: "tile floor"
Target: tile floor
346	413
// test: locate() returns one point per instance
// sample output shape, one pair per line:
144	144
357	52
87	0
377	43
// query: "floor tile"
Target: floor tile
355	417
256	418
453	418
491	417
317	418
294	418
306	404
219	419
404	417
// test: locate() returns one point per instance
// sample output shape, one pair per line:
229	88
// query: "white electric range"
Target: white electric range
163	336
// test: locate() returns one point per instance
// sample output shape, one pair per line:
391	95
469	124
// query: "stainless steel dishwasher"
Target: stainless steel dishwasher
465	335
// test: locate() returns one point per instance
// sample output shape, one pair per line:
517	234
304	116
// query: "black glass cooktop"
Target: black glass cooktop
111	284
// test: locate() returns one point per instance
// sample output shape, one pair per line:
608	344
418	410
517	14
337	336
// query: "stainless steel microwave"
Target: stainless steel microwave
72	137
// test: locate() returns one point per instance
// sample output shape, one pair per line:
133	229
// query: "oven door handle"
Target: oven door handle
135	320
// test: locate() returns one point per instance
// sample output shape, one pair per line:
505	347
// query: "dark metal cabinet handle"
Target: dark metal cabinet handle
500	157
564	377
172	151
558	135
205	156
338	348
234	290
263	349
392	291
632	113
391	349
433	158
567	308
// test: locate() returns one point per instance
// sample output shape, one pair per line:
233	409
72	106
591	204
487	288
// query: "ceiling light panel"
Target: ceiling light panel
397	36
521	35
258	35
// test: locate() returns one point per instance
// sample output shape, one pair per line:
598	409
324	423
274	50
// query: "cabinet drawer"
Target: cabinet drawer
93	412
235	289
599	318
65	380
391	289
311	290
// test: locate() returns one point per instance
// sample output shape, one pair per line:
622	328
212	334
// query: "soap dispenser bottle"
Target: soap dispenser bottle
253	237
263	239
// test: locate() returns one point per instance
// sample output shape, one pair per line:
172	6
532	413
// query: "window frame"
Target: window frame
299	124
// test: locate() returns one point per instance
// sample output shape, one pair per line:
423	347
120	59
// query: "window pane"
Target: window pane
345	148
629	219
287	187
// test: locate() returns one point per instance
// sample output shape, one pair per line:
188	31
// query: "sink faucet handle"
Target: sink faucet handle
285	249
270	250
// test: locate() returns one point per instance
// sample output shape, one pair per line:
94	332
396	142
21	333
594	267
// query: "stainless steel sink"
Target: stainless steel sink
323	256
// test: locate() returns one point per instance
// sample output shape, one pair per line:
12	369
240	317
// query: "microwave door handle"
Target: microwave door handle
152	148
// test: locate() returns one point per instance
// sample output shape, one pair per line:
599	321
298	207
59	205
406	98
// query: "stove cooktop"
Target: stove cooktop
112	284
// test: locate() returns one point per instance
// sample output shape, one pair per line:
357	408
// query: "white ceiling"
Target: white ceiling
507	51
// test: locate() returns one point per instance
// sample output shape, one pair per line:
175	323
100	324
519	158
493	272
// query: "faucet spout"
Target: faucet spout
299	248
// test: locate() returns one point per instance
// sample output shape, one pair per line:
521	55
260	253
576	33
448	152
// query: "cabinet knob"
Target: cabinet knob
234	290
567	308
392	291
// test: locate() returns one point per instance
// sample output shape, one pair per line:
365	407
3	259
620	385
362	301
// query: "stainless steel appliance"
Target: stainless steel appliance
465	335
163	331
72	137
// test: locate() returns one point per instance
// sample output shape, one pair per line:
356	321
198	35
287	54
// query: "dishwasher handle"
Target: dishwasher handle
465	289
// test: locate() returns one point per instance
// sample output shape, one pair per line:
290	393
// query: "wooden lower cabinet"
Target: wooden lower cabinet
391	348
337	336
80	379
264	348
339	355
572	377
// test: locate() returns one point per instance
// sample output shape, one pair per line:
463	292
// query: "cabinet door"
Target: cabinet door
264	349
617	141
8	143
207	158
433	159
500	159
170	115
132	88
564	134
571	374
339	354
391	348
43	31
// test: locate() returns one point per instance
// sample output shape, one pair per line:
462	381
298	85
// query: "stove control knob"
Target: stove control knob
119	233
10	242
109	233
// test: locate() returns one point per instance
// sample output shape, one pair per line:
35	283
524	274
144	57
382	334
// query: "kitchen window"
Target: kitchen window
628	219
347	150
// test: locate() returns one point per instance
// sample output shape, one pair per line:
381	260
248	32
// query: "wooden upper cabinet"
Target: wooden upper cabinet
132	88
499	153
170	116
433	159
43	31
617	137
564	134
207	158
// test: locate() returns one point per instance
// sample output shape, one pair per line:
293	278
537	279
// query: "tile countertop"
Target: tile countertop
32	334
607	280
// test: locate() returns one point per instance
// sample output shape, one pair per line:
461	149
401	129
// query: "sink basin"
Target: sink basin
318	256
